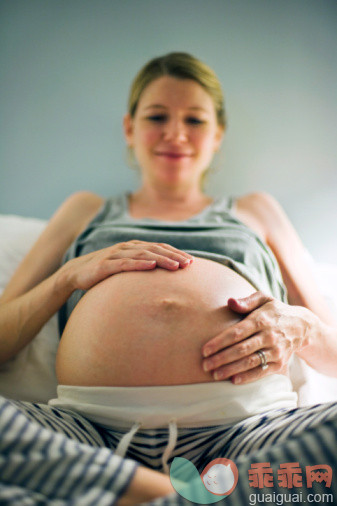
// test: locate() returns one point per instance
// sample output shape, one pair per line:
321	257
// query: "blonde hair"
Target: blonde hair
181	66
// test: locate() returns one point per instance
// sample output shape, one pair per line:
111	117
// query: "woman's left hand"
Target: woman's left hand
261	343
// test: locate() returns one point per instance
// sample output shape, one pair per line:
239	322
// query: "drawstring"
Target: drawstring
172	441
124	443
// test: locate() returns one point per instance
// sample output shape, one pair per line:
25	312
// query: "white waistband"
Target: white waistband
195	405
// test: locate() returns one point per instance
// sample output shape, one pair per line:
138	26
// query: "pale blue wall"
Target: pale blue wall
66	66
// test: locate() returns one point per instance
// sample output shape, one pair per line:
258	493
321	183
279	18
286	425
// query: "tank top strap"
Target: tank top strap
221	210
224	203
113	208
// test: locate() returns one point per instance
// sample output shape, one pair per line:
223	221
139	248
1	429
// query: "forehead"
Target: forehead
169	91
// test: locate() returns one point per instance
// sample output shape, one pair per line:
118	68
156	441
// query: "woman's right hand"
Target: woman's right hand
85	271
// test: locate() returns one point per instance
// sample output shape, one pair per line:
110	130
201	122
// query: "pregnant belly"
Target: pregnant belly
148	328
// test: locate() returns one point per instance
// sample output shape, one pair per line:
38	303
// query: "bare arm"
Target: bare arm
39	288
319	345
304	326
264	215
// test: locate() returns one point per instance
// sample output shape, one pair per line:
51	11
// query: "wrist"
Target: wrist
64	281
309	324
319	347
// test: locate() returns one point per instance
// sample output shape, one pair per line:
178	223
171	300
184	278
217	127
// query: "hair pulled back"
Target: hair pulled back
181	66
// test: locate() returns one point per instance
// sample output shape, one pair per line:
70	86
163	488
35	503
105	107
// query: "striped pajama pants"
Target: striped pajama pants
56	457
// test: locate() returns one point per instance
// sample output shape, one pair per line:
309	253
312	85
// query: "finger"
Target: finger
163	247
166	256
140	264
234	353
108	267
231	335
247	367
248	304
254	374
163	261
168	251
176	250
131	253
130	264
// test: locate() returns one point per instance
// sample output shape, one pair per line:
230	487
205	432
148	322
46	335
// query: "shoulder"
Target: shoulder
77	211
45	256
81	204
257	202
259	211
263	213
84	200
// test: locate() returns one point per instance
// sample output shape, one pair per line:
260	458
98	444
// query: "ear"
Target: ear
219	137
128	129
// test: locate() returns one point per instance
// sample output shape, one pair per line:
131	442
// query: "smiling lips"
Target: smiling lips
173	155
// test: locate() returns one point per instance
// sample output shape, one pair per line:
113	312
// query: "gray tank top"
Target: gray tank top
214	233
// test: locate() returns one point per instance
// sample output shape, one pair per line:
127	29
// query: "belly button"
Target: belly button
170	304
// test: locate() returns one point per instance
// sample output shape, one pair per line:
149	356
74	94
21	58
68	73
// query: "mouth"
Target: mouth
172	155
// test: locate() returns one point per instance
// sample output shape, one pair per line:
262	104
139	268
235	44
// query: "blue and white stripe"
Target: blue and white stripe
43	466
55	456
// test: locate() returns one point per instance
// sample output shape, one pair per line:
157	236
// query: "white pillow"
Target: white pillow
31	374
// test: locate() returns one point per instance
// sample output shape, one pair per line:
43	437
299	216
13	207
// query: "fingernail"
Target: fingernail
217	376
237	380
207	365
206	352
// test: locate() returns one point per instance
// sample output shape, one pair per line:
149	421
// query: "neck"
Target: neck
170	197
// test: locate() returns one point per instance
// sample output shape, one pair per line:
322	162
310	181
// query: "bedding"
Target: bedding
31	375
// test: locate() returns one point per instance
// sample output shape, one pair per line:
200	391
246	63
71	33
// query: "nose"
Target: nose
175	131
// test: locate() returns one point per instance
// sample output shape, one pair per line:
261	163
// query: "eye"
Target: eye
191	120
157	118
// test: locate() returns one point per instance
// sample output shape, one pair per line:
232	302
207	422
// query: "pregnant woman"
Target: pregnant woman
179	313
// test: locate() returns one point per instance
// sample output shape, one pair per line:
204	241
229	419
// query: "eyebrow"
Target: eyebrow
160	106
